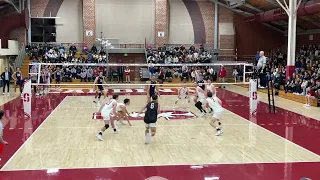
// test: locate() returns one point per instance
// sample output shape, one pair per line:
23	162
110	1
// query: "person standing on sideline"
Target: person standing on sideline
261	67
2	141
6	77
120	74
127	73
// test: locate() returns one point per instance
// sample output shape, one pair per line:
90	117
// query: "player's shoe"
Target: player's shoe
99	137
148	138
219	132
203	114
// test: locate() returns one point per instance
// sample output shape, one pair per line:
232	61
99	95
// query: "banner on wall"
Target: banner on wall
89	33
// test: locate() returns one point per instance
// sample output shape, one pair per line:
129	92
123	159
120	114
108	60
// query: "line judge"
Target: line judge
261	67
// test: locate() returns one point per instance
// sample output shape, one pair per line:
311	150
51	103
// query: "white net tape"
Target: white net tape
70	73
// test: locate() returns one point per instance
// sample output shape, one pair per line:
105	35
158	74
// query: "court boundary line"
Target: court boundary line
134	166
34	132
278	135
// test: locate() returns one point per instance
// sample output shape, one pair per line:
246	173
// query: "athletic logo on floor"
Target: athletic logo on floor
167	114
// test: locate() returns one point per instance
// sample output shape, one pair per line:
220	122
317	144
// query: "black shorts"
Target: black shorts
100	88
58	79
152	94
149	120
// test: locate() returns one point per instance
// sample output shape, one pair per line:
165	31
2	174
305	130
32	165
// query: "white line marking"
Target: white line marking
279	136
205	165
32	134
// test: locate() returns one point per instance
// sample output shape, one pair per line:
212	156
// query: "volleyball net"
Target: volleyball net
80	75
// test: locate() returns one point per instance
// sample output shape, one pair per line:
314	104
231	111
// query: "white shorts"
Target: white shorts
217	115
106	115
203	101
151	125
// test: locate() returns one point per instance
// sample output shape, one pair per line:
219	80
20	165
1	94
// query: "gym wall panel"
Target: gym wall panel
70	24
130	21
180	24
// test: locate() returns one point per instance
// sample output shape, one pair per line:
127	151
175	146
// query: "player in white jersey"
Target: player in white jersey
211	88
215	103
183	93
200	99
122	112
108	111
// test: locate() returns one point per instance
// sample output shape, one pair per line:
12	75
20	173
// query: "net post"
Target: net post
244	73
253	96
39	73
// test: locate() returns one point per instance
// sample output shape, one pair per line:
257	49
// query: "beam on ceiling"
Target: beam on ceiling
13	4
314	31
253	8
310	20
247	14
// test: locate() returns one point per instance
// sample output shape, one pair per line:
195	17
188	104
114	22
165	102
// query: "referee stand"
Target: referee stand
269	87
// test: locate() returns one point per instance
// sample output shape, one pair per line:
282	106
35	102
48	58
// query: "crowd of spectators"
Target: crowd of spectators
305	81
48	53
177	55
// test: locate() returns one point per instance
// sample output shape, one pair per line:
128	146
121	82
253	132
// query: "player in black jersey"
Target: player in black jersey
152	89
150	118
17	78
99	88
57	76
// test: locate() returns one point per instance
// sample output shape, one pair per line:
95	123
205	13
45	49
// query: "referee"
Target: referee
261	67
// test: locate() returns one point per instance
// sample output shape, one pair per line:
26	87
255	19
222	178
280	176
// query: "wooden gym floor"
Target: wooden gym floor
66	139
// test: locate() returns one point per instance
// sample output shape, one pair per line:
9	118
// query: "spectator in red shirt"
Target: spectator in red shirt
222	75
127	73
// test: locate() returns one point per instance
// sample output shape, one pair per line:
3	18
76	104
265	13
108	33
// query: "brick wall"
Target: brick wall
226	42
207	12
253	36
38	7
89	21
162	21
19	34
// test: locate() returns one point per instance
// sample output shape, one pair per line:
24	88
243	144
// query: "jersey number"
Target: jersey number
152	106
254	95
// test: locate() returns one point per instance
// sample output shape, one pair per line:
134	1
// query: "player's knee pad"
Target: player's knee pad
99	95
107	126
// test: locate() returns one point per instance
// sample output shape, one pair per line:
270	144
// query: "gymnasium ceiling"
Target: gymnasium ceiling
305	24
